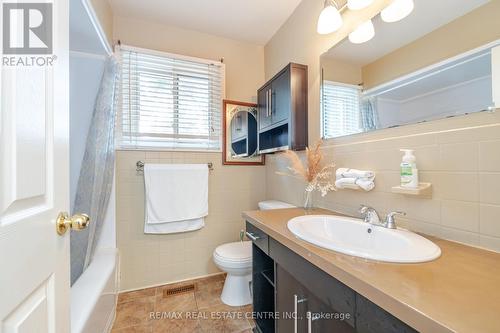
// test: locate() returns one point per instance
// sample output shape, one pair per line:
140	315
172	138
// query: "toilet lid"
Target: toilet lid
237	251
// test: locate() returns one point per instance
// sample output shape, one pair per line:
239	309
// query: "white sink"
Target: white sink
357	238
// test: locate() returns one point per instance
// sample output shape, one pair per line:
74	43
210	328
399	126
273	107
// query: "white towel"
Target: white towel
355	183
353	173
176	197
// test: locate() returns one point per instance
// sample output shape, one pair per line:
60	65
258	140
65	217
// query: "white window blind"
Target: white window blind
169	101
340	109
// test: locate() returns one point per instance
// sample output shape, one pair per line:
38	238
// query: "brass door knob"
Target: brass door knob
75	222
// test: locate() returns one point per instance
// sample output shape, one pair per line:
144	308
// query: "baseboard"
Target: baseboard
171	282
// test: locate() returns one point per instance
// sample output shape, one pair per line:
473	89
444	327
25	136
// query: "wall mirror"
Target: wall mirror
402	76
240	134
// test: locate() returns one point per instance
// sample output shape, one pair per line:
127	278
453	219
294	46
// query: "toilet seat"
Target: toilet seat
237	252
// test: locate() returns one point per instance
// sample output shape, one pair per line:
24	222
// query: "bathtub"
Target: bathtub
93	295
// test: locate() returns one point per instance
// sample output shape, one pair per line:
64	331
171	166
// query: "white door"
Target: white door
34	168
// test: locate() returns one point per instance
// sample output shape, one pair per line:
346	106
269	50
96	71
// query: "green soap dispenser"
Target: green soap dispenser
409	171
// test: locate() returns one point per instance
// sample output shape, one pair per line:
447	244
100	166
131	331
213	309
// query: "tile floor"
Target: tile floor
198	311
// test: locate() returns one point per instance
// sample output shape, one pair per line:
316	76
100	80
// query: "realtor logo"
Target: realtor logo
27	28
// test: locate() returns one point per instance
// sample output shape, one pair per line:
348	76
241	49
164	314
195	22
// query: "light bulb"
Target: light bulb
397	10
363	33
329	20
358	4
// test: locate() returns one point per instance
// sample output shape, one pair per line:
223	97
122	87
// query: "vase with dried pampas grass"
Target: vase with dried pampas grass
316	175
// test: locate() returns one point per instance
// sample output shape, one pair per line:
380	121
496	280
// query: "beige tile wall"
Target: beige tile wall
148	260
463	165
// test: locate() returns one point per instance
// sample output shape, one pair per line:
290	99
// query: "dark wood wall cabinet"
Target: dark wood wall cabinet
305	299
283	111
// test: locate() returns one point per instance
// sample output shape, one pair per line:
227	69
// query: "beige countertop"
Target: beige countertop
458	292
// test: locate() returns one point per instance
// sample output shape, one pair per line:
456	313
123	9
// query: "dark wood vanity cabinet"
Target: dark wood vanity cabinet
317	302
306	299
300	310
282	105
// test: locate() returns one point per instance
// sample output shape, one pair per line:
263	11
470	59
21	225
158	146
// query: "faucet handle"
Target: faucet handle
389	220
392	214
363	209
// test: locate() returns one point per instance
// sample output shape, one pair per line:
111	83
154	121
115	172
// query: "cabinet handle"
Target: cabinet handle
296	302
310	318
270	102
252	236
267	103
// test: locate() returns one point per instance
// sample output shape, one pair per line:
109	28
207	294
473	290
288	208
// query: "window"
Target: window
340	109
169	101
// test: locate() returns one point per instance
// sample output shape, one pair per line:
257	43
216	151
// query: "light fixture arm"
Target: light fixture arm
335	4
331	2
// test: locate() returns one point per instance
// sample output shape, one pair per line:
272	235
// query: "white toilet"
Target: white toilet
236	260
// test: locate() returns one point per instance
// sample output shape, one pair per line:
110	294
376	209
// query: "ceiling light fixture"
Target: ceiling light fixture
330	19
358	4
397	10
363	33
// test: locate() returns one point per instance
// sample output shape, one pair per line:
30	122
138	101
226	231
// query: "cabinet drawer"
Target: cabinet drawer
325	288
261	239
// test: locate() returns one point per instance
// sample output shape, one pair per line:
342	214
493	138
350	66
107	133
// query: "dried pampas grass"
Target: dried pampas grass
312	172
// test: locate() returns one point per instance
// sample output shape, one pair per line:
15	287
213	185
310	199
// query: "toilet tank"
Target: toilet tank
274	204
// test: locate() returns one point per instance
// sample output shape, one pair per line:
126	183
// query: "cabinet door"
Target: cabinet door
264	100
339	297
323	318
291	303
281	98
370	318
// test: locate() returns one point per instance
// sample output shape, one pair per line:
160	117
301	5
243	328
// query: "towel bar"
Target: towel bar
140	166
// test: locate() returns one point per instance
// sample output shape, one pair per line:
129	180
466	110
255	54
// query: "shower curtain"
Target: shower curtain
96	175
368	114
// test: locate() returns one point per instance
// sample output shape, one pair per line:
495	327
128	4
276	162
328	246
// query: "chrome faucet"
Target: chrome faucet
371	216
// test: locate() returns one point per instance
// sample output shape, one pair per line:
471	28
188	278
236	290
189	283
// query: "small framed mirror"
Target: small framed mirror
240	146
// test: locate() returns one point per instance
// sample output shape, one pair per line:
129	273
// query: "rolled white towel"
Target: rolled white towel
353	173
365	184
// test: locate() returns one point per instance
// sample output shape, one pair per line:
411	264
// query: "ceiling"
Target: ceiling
427	16
254	21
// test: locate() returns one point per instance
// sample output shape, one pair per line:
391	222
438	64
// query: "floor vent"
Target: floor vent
178	290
